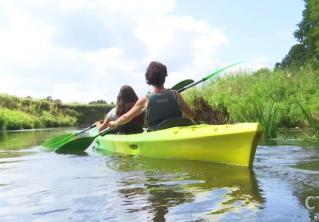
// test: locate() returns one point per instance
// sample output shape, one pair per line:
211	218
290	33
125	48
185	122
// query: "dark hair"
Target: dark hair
125	100
155	74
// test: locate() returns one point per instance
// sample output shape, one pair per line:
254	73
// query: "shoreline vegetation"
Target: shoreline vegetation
280	98
277	99
28	113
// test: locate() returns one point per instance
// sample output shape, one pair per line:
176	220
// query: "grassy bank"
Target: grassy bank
270	97
27	113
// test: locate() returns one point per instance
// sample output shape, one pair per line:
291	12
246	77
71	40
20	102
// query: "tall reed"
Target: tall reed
268	115
313	123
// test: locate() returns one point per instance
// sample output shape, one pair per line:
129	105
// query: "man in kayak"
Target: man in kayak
161	104
126	99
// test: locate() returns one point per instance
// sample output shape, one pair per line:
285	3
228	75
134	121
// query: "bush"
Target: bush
265	96
50	120
1	123
13	120
37	113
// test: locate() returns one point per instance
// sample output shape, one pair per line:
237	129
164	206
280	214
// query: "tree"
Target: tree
57	101
308	32
296	56
97	102
308	36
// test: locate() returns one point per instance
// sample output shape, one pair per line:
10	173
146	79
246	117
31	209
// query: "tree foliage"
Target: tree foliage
97	102
308	36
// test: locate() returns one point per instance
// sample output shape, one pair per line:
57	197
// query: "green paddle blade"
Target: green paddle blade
51	143
182	84
58	140
79	145
73	146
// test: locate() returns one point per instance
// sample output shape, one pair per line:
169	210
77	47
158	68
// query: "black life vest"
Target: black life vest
161	106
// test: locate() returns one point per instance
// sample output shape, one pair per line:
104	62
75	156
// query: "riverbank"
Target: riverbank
276	99
27	113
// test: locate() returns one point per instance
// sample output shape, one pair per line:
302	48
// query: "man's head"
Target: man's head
155	74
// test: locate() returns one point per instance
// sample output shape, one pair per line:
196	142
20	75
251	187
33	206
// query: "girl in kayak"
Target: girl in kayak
125	101
161	104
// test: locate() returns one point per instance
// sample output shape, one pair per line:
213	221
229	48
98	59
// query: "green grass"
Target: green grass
14	120
269	97
27	113
268	115
313	123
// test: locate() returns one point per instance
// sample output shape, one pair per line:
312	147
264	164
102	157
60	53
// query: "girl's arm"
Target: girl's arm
111	115
104	125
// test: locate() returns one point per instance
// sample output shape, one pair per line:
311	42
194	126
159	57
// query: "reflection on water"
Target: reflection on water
26	138
13	143
190	186
108	187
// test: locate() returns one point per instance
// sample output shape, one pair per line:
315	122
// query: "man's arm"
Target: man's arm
186	109
136	110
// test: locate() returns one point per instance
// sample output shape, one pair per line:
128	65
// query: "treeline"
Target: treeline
307	34
27	113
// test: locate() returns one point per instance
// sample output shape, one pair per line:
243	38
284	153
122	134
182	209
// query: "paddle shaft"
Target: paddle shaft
207	77
85	129
191	85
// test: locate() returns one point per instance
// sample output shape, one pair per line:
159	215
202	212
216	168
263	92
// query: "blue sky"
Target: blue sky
255	27
84	50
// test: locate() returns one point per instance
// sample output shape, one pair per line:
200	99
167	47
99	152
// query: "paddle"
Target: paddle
78	145
206	78
52	143
182	84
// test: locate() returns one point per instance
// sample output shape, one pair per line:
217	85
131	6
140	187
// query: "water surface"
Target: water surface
43	186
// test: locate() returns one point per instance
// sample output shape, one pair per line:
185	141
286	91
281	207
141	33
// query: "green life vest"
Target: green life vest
161	106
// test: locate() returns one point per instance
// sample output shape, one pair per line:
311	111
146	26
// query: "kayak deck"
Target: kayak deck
233	144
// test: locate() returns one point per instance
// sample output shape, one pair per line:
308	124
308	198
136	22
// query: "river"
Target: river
44	186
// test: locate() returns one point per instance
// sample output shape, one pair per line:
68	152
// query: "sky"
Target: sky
85	50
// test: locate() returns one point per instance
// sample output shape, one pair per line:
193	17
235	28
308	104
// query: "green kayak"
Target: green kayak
233	144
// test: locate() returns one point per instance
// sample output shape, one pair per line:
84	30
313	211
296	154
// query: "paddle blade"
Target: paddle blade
77	145
51	143
182	84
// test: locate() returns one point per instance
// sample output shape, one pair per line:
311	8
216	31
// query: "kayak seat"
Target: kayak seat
172	122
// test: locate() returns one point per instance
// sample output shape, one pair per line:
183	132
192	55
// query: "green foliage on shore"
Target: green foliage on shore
307	35
269	97
27	113
313	123
18	120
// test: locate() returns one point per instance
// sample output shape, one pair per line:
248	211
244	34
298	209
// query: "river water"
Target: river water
43	186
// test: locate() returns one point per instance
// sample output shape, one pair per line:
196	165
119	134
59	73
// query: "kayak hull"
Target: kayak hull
227	144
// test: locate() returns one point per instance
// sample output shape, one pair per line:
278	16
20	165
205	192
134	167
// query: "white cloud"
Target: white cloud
257	63
86	49
7	82
124	7
186	45
25	40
